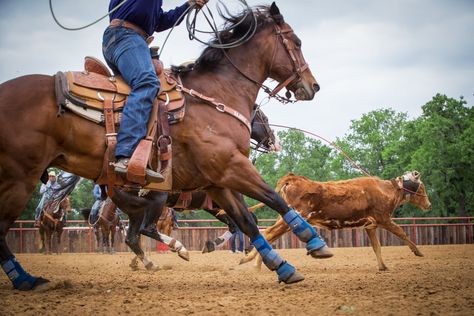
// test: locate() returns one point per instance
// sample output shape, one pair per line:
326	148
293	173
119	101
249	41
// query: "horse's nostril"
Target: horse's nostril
316	87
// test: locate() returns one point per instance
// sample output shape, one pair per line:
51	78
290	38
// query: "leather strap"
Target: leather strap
221	107
111	142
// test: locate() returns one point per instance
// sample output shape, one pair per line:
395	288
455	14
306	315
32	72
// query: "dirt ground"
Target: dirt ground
441	283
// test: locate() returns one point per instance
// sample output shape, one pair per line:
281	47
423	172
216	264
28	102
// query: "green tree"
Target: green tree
445	133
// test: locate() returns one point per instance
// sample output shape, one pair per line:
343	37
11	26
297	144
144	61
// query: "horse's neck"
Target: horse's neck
229	85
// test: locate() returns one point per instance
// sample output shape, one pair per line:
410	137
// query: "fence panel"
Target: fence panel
23	238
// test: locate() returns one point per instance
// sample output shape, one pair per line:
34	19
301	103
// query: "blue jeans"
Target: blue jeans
128	55
95	211
40	206
239	233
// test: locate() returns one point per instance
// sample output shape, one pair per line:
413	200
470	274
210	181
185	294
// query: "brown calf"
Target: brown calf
368	202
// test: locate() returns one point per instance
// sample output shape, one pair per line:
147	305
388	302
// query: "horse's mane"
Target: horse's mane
235	27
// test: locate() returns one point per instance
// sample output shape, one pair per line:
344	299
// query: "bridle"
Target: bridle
299	66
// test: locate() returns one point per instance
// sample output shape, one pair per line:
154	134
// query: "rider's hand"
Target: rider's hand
199	3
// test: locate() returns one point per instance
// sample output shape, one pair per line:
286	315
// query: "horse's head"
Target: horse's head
262	133
265	47
287	64
65	204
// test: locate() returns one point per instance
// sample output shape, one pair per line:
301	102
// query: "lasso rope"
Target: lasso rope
85	26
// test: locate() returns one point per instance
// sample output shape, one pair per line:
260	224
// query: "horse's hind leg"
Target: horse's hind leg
234	205
112	239
133	241
13	197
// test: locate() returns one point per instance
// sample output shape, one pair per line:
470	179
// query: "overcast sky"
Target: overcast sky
366	54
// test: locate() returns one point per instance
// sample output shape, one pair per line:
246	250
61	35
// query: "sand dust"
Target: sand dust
441	283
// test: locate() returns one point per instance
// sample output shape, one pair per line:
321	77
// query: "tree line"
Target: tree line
439	144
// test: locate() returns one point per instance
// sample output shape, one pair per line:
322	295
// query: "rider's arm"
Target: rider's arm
167	19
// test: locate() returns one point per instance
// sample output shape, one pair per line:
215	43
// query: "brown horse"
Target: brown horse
105	226
52	222
210	147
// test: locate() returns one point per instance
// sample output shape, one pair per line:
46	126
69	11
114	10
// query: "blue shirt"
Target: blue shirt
147	14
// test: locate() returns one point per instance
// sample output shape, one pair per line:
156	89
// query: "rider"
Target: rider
125	49
97	192
45	190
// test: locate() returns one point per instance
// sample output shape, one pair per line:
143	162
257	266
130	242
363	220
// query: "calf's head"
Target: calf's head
415	190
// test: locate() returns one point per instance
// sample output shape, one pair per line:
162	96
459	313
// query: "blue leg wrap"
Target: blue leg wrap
272	259
19	278
304	231
285	272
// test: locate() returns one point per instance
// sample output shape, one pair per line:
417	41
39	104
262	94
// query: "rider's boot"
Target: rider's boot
121	168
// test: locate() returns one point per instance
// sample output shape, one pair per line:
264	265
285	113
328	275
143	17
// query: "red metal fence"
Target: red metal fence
77	237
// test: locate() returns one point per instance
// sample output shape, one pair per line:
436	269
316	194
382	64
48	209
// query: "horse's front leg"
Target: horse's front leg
112	239
49	240
234	205
243	177
219	242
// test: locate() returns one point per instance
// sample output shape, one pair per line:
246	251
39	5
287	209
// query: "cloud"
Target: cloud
366	54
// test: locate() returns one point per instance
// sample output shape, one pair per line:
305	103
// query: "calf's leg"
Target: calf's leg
398	231
372	232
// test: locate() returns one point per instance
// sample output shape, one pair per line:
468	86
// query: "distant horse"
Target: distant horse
210	146
52	222
106	225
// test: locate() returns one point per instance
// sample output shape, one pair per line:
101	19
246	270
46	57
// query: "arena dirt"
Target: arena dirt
441	283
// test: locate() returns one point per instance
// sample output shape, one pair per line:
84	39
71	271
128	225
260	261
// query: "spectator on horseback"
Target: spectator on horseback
97	192
45	191
125	48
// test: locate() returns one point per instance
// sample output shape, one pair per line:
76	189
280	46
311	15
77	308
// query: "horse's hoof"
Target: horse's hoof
184	255
294	278
209	246
384	268
42	284
419	254
150	266
322	253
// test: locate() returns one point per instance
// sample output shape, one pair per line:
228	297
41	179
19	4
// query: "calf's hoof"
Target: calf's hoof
383	268
321	253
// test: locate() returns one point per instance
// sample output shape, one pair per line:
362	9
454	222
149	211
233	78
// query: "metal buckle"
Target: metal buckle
220	107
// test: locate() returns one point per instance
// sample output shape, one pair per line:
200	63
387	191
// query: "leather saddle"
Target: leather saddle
83	92
96	95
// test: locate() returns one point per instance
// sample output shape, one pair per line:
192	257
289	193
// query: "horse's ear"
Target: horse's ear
274	9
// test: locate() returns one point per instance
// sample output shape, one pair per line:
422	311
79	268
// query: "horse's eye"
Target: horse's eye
298	43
